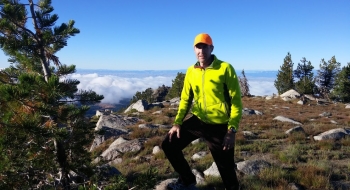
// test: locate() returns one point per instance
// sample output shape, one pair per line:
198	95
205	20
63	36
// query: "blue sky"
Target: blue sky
158	34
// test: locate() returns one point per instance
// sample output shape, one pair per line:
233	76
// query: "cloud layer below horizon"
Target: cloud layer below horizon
115	88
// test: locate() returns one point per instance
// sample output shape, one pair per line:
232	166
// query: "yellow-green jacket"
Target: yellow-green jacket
216	94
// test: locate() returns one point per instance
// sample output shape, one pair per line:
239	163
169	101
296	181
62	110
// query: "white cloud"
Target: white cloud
115	88
262	86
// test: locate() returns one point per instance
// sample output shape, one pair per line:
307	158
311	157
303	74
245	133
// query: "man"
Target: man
217	110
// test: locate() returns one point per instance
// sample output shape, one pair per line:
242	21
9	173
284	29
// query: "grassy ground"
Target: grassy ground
295	158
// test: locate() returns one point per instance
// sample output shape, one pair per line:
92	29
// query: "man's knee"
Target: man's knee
165	144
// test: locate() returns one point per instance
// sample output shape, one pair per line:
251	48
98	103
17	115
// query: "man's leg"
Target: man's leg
173	149
224	159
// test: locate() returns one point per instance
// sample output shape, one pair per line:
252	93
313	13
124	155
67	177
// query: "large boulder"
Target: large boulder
106	133
290	94
109	126
140	106
121	146
332	134
115	121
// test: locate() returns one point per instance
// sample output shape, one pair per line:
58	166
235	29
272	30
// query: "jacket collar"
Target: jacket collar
212	65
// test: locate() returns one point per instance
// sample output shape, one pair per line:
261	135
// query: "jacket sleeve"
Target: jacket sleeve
235	97
186	99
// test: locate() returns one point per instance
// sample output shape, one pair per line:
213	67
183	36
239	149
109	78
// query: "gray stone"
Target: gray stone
301	102
292	94
286	99
147	125
249	134
154	126
310	97
117	149
140	106
332	134
109	126
115	121
284	119
252	167
212	171
163	184
246	111
268	97
157	112
98	113
156	149
199	155
326	114
107	133
245	153
197	141
295	186
115	161
295	129
175	100
199	177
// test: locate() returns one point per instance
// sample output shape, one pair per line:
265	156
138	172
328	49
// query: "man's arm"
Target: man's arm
235	97
185	104
234	92
186	99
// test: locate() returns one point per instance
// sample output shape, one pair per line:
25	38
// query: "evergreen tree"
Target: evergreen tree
160	93
285	80
326	76
148	95
43	127
176	87
243	83
305	76
341	89
136	97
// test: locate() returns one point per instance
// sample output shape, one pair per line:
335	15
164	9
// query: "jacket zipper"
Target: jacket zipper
204	99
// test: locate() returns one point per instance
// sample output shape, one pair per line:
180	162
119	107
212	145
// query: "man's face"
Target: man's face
203	52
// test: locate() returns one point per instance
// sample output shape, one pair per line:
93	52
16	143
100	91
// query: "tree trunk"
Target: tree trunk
60	151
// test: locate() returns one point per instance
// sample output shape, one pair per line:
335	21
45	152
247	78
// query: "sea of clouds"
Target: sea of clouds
119	85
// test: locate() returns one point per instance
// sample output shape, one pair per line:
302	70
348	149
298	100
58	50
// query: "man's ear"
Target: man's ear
212	48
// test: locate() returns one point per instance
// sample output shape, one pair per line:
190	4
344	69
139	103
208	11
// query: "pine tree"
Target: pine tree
44	131
285	80
243	83
341	89
326	76
176	87
305	76
160	93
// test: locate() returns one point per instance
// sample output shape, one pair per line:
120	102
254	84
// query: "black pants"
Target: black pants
192	129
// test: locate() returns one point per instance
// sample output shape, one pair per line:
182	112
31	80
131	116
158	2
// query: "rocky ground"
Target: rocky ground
277	134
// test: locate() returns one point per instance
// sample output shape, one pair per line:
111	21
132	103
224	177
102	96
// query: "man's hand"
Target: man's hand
229	140
173	130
